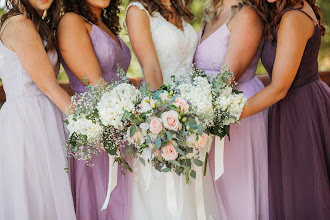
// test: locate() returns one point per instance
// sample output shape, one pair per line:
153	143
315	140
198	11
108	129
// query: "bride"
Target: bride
164	43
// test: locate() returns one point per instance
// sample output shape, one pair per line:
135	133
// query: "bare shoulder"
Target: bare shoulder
20	24
137	11
71	19
248	14
296	22
246	17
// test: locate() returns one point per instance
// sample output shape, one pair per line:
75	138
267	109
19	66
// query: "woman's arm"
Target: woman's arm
76	48
138	27
26	42
245	38
294	31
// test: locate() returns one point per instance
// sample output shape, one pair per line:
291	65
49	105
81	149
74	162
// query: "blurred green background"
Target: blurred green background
197	7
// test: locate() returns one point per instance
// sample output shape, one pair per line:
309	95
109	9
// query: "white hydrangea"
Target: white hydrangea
83	126
200	97
114	103
231	103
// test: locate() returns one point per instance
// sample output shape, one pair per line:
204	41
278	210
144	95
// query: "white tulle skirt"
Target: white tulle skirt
33	181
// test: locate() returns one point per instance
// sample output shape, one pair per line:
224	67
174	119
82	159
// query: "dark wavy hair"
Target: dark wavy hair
46	27
109	14
181	8
271	14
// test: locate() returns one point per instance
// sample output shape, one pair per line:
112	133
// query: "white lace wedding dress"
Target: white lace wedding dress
166	196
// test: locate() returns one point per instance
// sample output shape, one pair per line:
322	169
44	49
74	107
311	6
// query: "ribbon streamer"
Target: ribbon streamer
219	157
174	204
112	182
201	214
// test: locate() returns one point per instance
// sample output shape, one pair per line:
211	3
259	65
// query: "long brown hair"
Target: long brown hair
271	14
109	14
181	8
46	27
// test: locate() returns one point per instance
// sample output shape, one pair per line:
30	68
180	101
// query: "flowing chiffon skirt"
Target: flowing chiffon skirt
242	190
299	154
33	182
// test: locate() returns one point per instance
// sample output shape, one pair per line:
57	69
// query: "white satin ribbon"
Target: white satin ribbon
112	182
174	203
219	157
200	206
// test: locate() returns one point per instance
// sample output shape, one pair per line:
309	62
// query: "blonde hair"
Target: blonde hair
213	8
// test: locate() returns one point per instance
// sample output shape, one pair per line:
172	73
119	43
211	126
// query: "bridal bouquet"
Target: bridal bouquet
170	128
97	121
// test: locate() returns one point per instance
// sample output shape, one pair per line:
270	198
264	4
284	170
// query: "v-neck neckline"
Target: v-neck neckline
120	46
202	33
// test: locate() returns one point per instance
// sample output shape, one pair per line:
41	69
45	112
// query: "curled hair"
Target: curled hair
109	14
46	26
181	8
271	14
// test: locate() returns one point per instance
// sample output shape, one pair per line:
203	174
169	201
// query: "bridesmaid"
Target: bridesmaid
34	185
90	47
299	117
242	190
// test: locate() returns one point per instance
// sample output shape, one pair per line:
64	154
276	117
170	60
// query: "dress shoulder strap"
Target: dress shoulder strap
85	19
297	9
7	22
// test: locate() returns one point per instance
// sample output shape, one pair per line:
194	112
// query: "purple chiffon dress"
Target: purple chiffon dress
299	140
89	184
242	190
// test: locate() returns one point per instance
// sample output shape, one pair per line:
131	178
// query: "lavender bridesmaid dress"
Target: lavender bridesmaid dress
299	140
33	182
89	184
242	190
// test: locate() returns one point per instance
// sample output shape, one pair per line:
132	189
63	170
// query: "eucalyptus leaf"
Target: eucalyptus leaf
193	174
175	162
143	161
132	130
158	143
180	151
166	170
200	129
198	162
169	135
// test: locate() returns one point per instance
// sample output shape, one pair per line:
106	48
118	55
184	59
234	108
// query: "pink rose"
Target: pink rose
200	143
171	120
180	102
202	140
136	138
164	96
169	152
155	126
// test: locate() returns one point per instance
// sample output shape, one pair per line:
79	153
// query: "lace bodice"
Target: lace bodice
175	48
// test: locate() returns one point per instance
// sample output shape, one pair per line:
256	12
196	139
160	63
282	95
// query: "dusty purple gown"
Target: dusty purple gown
242	190
89	184
299	141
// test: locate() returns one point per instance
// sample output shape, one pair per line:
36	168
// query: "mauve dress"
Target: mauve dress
89	184
299	141
242	190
